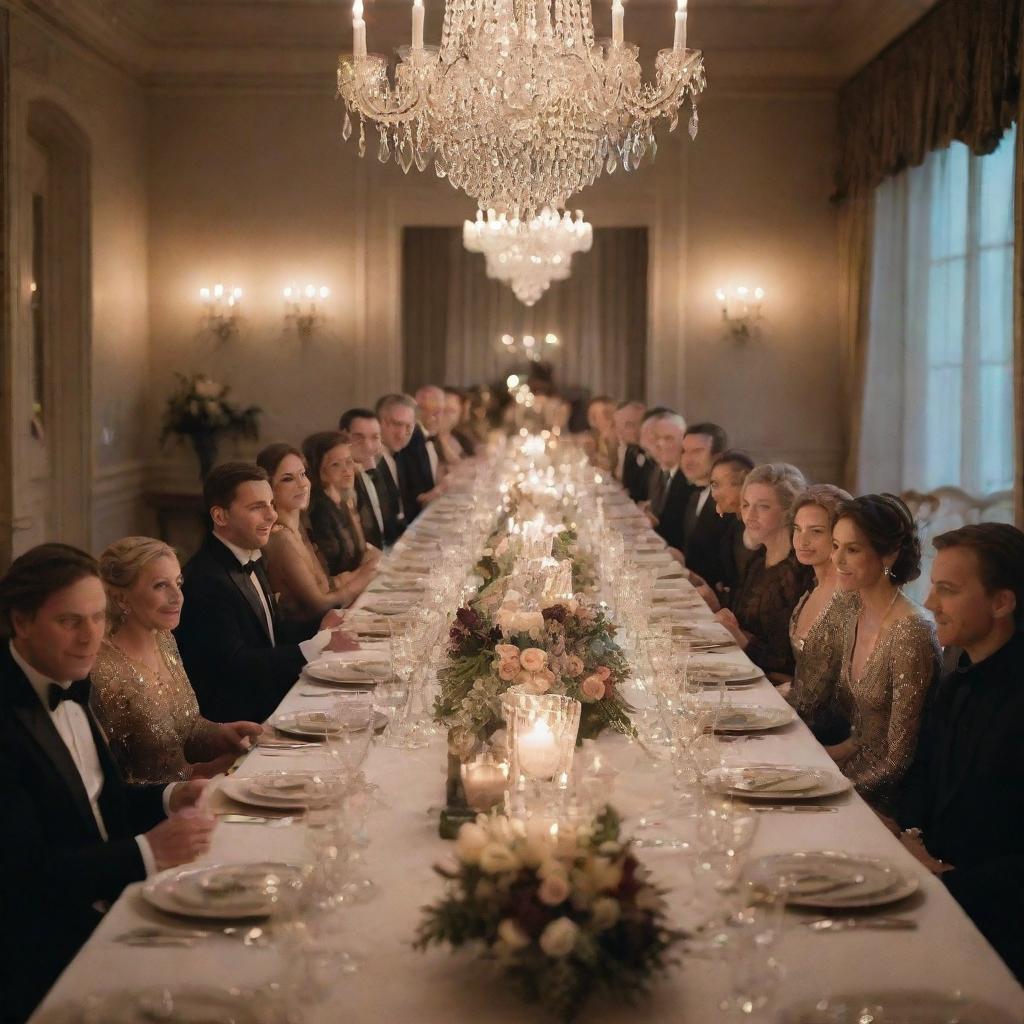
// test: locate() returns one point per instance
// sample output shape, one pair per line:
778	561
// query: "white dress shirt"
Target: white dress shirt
620	462
371	490
311	648
72	724
702	499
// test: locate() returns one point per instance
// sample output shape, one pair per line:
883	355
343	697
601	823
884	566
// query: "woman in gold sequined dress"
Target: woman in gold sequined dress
141	695
817	626
890	653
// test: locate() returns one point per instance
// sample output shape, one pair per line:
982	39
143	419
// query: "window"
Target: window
941	325
960	262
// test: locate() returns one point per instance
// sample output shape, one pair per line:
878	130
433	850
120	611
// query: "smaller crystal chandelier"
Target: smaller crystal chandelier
528	255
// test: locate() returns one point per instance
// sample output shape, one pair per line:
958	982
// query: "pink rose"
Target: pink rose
533	659
508	670
524	679
539	682
603	673
592	688
507	652
573	666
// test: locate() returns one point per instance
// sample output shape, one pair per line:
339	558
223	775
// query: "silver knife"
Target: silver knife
797	808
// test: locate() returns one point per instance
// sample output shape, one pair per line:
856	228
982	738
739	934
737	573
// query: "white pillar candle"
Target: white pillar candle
538	751
485	784
417	24
618	11
358	29
679	42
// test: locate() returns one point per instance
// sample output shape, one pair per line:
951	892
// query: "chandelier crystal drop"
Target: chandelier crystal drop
520	106
528	255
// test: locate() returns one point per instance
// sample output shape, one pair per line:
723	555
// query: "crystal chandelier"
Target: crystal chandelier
520	106
528	255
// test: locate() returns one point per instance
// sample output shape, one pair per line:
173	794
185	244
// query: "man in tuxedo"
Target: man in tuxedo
648	476
703	527
628	417
670	490
397	417
241	657
380	523
422	459
74	835
963	800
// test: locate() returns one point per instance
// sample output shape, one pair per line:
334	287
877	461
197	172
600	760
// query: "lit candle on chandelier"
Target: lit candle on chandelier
358	29
679	42
618	12
417	24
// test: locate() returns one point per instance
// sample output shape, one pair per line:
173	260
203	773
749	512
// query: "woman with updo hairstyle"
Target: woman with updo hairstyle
294	567
141	696
890	655
817	627
762	603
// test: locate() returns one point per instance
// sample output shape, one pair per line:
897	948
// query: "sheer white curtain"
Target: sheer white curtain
938	397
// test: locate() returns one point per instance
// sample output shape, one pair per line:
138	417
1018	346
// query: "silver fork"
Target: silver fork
844	924
153	935
258	819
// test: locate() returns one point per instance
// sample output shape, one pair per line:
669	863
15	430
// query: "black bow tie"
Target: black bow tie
250	566
78	692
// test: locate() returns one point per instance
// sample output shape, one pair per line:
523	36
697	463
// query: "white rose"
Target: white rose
605	913
559	938
496	858
530	621
512	935
470	842
605	875
499	828
553	890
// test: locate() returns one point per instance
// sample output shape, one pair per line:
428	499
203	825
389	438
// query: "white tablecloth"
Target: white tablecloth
399	986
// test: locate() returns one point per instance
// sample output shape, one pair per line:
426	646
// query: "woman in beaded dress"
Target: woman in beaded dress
762	603
141	695
334	522
890	655
294	568
816	629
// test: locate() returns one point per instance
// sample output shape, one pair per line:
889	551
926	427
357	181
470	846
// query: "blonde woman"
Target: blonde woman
141	695
762	604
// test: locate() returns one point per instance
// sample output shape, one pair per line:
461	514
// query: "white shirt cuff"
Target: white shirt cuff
313	647
148	860
166	798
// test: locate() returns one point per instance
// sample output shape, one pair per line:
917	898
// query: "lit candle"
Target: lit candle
538	751
484	783
417	24
618	11
679	42
358	29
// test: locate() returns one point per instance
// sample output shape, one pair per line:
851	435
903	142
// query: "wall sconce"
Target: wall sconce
221	309
528	346
300	306
740	308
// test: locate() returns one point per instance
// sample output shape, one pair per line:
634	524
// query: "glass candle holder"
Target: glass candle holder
484	781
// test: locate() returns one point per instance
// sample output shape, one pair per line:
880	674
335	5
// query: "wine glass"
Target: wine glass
349	735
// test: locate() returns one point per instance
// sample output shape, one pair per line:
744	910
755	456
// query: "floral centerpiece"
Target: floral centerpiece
567	916
567	647
199	409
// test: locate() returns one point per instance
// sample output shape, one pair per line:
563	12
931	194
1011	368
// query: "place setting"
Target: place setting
744	718
771	782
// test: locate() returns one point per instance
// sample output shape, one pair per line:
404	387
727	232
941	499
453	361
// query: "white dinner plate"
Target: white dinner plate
790	782
225	891
293	789
318	724
832	880
752	718
895	1008
188	1004
344	673
712	673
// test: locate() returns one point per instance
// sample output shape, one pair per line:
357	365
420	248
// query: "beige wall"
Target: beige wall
268	193
110	109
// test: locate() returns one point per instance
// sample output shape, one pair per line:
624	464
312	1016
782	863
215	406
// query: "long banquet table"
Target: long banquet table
398	985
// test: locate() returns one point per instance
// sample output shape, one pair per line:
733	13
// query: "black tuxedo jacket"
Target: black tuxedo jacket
702	539
237	672
389	491
637	469
55	864
670	522
371	530
964	791
414	466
